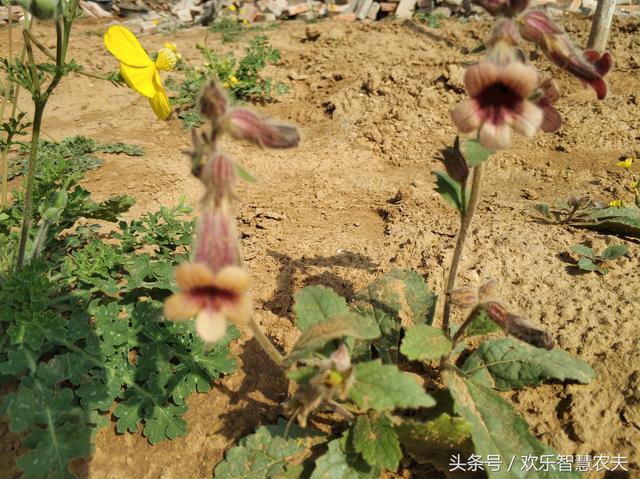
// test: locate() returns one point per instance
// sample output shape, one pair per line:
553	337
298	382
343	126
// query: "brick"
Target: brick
405	8
362	8
388	7
293	10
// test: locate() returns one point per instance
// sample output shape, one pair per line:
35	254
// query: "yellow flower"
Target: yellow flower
232	8
225	84
234	80
616	204
139	70
626	163
245	21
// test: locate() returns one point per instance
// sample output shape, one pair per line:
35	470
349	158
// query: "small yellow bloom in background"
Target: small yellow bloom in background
626	163
234	80
245	21
155	21
225	84
616	204
232	8
241	11
139	70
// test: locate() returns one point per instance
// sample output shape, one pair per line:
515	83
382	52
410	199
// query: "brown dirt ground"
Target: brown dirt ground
340	229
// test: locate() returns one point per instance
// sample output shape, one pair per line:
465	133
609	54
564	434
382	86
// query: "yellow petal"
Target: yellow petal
210	326
193	275
179	306
232	278
160	105
140	79
123	45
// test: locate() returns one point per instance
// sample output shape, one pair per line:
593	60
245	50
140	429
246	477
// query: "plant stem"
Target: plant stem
264	342
465	225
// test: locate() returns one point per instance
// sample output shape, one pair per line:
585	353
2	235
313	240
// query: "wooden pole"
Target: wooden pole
601	25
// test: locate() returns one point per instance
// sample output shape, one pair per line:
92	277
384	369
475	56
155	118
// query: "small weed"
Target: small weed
432	21
589	261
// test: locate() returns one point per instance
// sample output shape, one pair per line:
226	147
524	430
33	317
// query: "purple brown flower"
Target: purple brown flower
499	101
246	125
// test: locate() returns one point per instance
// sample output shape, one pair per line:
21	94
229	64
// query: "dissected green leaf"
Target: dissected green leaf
423	343
377	441
614	252
267	454
496	428
583	251
384	387
339	326
341	463
315	304
474	152
511	364
449	189
396	300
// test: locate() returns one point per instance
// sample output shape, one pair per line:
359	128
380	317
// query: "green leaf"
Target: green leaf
543	209
583	251
507	364
339	326
377	441
341	463
435	441
614	252
619	221
496	428
423	343
165	422
384	387
315	304
244	174
399	299
475	153
449	189
482	324
587	264
267	454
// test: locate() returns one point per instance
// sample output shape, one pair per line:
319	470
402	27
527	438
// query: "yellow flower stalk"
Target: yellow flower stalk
616	204
626	163
139	70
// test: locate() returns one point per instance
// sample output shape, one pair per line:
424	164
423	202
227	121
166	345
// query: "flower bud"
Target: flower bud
517	326
549	93
455	163
246	125
487	289
167	59
218	175
216	240
465	297
213	102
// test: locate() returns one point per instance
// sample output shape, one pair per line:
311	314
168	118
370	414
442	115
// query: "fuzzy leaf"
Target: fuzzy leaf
619	221
423	343
399	299
449	189
507	364
614	252
583	251
339	326
341	463
435	441
377	441
475	153
481	325
315	304
496	428
384	387
587	264
266	454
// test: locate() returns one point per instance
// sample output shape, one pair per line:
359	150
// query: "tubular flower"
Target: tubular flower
498	102
139	71
589	66
549	94
214	287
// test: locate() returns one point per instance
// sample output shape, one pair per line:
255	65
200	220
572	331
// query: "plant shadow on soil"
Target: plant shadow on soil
282	299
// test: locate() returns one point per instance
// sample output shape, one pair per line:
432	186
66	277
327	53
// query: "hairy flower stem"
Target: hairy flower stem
265	343
465	227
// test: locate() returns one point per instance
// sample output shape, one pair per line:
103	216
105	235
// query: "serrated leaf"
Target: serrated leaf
614	252
583	251
435	441
315	304
340	463
165	422
396	300
424	343
587	264
384	387
377	441
507	364
266	454
449	189
496	428
339	326
475	153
